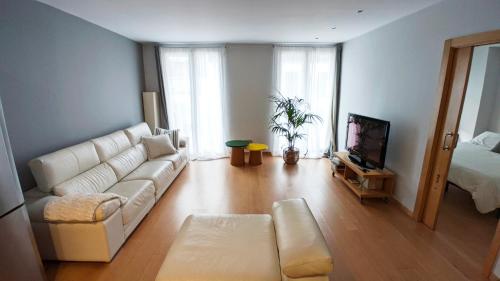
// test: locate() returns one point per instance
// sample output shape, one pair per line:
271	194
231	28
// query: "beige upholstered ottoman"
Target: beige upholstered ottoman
246	247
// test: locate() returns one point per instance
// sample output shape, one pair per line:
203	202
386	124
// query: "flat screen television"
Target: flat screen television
367	140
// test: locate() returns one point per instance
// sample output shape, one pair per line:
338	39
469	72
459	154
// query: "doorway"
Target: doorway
445	146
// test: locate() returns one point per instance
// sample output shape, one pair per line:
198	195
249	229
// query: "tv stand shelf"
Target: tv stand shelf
365	183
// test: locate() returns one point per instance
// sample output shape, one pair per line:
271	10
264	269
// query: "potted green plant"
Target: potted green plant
290	116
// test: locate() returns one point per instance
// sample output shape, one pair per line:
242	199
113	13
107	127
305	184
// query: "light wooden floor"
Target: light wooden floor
374	241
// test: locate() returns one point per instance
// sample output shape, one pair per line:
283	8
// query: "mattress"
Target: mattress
476	169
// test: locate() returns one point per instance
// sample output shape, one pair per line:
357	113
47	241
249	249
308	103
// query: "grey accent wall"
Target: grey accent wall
392	73
150	71
63	80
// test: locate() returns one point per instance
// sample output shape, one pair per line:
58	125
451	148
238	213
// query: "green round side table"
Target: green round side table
238	151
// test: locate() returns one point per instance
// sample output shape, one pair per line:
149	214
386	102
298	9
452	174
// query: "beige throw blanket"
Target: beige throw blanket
91	207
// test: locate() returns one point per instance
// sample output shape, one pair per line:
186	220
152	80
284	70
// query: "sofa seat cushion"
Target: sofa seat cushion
178	159
138	192
160	172
223	248
95	180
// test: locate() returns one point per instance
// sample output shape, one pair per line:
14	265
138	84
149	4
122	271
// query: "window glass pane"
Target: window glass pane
307	73
193	79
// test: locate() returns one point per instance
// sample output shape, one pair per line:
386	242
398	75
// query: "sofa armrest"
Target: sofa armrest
302	248
36	206
81	208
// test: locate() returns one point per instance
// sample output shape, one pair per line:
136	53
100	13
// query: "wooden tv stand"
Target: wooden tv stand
365	183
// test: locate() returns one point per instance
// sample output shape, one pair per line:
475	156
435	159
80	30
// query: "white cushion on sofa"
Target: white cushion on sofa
110	145
95	180
54	168
158	146
135	133
138	192
178	158
160	172
127	161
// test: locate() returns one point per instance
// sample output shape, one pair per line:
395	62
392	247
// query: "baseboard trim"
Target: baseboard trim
402	207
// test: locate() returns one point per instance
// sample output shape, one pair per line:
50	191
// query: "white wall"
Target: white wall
480	106
249	76
249	69
490	90
495	115
473	95
392	73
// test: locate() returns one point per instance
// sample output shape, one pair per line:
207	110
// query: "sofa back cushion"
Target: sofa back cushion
95	180
302	248
52	169
135	133
111	145
127	161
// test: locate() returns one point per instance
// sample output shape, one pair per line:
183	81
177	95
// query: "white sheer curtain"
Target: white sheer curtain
195	95
308	73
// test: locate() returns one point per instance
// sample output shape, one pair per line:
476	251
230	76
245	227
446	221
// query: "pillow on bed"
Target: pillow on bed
496	148
487	139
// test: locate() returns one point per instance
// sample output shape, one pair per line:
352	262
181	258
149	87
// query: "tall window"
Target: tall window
194	93
307	73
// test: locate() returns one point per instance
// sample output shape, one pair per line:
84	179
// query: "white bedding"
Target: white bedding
477	169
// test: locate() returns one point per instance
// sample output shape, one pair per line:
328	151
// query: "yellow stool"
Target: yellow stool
256	153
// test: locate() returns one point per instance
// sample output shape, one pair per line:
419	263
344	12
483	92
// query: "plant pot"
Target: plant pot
291	155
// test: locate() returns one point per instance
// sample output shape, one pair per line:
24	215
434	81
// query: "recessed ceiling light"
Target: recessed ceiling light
360	11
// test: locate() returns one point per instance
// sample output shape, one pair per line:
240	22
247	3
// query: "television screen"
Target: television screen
367	139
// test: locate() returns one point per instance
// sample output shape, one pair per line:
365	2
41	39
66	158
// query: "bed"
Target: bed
475	168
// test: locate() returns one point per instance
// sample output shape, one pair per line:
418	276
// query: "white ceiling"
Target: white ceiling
240	21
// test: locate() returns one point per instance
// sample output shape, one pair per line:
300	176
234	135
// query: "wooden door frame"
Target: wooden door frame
433	144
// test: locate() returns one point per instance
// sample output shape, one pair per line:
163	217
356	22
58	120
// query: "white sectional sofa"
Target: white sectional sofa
115	163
